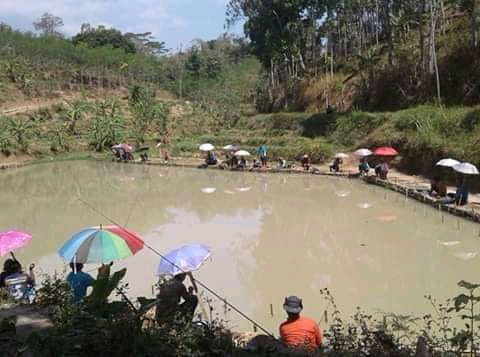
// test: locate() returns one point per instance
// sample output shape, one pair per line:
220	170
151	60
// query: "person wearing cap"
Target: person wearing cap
306	162
299	332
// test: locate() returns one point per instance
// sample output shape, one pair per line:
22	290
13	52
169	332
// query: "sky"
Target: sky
176	22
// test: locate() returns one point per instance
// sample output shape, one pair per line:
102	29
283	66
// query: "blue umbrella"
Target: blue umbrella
183	260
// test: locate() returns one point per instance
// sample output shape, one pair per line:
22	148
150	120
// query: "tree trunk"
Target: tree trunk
433	49
421	35
473	23
377	24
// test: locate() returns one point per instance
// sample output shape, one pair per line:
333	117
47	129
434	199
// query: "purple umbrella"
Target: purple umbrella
183	260
11	240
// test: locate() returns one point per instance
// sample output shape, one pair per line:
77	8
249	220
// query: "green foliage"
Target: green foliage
147	112
22	130
351	129
104	285
74	113
103	37
59	138
107	127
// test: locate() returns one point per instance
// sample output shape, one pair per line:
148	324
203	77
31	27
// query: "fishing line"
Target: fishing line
219	297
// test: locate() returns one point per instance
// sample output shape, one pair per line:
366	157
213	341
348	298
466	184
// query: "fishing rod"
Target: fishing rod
211	291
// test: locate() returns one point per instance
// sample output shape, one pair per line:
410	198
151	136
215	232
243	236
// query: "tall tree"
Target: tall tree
146	43
48	24
102	36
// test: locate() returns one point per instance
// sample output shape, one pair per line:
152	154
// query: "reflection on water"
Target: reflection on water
271	235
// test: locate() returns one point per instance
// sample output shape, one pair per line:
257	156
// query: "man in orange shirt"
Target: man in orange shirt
299	332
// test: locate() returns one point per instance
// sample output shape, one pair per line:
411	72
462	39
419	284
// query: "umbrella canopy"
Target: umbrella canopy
11	240
466	168
242	153
341	155
447	163
183	260
229	147
385	151
206	147
126	147
101	245
363	152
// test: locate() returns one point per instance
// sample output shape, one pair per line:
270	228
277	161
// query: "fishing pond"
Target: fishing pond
271	235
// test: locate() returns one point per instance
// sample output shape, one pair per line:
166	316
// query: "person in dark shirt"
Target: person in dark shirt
171	293
8	269
79	281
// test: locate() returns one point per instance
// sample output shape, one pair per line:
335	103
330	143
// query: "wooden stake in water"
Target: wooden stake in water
326	314
271	310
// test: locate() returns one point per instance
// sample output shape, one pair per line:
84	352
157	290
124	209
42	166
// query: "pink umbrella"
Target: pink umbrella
385	151
11	240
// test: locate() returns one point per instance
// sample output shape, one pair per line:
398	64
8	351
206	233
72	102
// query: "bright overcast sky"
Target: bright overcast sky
177	22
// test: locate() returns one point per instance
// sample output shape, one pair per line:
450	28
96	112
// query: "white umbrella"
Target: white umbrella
447	163
229	147
362	152
466	168
242	153
206	147
341	155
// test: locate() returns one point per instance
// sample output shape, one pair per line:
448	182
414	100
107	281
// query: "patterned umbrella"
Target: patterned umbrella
11	240
101	245
184	259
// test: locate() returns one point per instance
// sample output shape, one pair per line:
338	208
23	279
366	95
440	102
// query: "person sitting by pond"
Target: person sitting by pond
242	163
364	167
8	269
306	163
381	170
144	156
282	163
438	187
211	158
257	164
171	293
79	281
335	166
233	161
20	285
299	332
460	198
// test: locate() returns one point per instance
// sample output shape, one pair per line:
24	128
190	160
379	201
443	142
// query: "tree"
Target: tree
48	24
147	112
147	44
107	126
74	113
101	36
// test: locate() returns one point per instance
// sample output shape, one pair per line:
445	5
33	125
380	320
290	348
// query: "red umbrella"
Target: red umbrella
385	151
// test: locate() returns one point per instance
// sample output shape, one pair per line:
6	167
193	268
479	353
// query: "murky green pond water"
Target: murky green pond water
271	235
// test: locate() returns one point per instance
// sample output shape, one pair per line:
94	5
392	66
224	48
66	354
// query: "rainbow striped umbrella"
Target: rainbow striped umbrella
101	245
